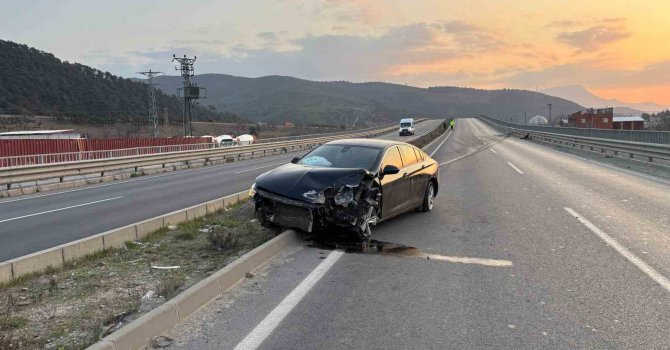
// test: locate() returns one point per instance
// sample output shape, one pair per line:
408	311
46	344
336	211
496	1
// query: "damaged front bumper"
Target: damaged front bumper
346	206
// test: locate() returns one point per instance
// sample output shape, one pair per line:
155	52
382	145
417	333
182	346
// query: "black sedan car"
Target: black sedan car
351	184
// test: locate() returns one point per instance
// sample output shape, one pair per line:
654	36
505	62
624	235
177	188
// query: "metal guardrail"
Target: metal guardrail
647	152
128	152
644	136
20	174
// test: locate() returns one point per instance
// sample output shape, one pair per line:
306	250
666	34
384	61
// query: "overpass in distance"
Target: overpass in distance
532	249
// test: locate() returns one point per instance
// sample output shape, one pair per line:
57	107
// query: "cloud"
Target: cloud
472	37
351	11
595	37
591	74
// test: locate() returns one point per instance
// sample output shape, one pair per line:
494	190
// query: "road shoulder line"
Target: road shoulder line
254	339
610	241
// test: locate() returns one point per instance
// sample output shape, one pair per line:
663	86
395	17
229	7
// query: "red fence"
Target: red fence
24	147
50	151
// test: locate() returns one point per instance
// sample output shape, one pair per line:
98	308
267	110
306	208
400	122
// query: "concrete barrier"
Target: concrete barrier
102	346
195	297
138	334
144	228
118	237
5	272
55	257
196	212
37	262
214	206
79	249
174	218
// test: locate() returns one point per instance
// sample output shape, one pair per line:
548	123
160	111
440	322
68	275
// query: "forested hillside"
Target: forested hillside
37	83
280	98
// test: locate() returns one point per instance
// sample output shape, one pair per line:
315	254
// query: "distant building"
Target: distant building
628	123
602	118
40	135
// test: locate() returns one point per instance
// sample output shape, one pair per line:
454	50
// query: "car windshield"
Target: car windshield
343	156
405	125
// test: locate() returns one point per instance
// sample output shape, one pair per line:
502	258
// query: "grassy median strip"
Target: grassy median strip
75	306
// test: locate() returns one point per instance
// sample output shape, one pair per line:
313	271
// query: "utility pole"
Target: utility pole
549	105
153	113
190	92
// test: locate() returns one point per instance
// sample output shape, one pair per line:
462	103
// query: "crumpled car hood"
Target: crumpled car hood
293	180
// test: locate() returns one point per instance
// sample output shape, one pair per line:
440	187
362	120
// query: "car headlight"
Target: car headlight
315	197
344	196
252	190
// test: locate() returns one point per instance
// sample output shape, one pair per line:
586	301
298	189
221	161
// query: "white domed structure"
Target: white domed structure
538	120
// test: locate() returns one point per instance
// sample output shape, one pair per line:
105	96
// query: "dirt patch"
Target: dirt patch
73	307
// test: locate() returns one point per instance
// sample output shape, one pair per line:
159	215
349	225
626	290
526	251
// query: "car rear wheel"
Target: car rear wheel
428	198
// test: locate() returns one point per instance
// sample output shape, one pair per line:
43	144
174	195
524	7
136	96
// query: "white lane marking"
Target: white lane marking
494	151
433	142
466	260
440	145
254	339
515	168
59	209
639	263
260	167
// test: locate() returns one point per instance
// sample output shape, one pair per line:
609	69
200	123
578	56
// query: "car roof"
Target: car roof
377	143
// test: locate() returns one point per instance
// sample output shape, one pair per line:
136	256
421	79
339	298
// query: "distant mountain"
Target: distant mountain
36	82
584	97
281	98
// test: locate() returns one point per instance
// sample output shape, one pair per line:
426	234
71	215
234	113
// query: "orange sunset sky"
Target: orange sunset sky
615	48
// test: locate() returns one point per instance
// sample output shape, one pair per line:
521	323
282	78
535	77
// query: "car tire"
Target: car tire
428	198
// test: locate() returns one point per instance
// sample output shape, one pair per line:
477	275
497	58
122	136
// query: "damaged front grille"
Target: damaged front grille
352	206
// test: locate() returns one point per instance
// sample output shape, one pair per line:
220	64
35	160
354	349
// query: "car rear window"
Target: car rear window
408	156
419	154
343	156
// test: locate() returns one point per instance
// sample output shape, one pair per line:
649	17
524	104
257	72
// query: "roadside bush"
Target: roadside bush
189	230
224	239
169	285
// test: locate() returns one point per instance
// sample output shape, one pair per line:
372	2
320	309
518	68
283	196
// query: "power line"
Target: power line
153	113
190	92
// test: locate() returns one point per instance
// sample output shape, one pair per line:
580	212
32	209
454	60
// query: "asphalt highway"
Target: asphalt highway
35	222
527	248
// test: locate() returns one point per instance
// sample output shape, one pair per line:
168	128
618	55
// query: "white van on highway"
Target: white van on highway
406	126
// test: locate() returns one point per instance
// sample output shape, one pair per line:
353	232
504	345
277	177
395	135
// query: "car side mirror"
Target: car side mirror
390	170
295	160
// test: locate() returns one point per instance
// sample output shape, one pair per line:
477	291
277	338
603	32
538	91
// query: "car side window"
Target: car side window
408	155
392	157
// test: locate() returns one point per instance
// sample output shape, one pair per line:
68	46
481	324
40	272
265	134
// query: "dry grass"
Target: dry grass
72	307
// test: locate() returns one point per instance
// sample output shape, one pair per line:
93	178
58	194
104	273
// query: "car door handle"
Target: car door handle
405	175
